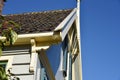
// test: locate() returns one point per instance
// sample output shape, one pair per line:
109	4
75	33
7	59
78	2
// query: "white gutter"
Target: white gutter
33	35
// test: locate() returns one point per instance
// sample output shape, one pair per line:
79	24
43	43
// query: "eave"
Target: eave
48	38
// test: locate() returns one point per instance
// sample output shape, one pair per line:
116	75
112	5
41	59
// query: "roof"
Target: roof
36	22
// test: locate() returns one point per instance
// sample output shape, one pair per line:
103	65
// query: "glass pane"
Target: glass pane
3	64
43	74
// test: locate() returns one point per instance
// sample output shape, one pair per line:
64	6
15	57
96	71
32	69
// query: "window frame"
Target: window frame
9	60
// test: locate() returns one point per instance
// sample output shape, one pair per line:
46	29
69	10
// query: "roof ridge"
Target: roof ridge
27	13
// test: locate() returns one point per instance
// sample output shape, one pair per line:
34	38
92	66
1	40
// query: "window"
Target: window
3	64
43	75
6	62
67	65
67	60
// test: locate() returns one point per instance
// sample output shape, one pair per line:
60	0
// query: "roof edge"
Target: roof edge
32	35
61	25
53	37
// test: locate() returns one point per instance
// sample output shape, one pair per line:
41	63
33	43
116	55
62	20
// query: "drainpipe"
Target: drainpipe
78	36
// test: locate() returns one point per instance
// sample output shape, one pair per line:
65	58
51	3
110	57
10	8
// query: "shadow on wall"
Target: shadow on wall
53	54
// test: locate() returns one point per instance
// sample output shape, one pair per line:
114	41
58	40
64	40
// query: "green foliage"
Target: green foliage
6	30
3	75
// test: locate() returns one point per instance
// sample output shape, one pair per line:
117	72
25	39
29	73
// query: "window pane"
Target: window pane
43	75
3	64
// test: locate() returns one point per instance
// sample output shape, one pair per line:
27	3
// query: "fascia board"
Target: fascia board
25	38
33	35
61	25
68	25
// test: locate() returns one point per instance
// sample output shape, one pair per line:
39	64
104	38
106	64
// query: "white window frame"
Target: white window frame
67	77
9	63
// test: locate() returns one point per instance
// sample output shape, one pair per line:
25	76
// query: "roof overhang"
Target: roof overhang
48	38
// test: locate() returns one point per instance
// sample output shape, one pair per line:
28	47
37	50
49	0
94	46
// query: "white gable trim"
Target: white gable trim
68	26
61	25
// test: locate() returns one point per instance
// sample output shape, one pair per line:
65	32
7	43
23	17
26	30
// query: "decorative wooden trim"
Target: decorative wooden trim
41	47
34	48
33	45
33	55
45	62
68	26
70	37
10	61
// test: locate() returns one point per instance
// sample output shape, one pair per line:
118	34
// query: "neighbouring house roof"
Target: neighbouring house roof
37	22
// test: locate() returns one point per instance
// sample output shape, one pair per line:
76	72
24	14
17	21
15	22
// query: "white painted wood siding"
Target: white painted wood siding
21	61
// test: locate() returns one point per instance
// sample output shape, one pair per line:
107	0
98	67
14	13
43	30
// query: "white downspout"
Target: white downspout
78	35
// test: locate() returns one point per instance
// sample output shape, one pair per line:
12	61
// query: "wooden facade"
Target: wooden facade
47	55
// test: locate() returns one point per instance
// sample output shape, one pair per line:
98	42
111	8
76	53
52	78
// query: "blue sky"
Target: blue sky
100	32
20	6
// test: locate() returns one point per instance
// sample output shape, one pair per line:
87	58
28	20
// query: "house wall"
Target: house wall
21	61
76	69
37	69
22	57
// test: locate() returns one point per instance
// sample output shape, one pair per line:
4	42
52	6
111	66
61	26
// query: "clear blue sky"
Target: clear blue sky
100	32
19	6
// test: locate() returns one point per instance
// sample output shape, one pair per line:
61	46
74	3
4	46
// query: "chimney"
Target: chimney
1	5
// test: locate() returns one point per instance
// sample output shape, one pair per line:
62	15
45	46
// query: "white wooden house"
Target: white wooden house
47	48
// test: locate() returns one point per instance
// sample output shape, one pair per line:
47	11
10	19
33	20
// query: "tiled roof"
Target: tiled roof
37	22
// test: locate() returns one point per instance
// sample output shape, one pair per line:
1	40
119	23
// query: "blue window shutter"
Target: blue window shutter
65	62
